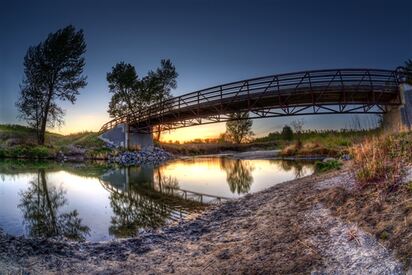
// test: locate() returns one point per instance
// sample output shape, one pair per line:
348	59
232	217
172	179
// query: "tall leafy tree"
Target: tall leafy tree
159	84
239	128
131	94
53	70
125	86
287	133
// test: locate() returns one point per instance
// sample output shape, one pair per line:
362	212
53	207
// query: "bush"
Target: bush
3	152
322	166
24	151
287	133
39	152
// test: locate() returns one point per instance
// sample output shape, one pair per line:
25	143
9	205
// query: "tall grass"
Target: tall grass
382	160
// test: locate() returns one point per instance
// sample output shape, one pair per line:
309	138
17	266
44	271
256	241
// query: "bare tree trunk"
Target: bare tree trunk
158	133
53	226
41	137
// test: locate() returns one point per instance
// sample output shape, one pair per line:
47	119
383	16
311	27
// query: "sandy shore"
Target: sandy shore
286	229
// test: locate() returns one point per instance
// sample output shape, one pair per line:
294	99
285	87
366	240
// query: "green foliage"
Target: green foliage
124	85
53	70
24	147
384	235
287	133
3	152
129	93
239	128
321	166
40	152
25	151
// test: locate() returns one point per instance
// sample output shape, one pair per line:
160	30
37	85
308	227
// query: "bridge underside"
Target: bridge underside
269	104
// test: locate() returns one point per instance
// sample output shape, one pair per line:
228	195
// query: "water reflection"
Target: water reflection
41	205
101	202
140	200
297	166
238	174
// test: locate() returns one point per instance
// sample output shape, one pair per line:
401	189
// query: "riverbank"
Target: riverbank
18	141
312	224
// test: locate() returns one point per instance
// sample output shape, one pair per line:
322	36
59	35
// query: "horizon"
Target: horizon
209	45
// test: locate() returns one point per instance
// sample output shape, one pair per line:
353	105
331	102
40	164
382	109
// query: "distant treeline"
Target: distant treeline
308	134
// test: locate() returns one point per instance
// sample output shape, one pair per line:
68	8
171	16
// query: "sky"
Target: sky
210	43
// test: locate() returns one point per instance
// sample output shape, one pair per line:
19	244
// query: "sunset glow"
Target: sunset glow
186	134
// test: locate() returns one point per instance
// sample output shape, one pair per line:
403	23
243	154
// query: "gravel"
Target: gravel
149	155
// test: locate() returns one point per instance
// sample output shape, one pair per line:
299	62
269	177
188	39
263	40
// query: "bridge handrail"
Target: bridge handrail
378	78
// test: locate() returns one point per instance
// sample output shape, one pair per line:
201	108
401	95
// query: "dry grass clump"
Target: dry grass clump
383	159
308	149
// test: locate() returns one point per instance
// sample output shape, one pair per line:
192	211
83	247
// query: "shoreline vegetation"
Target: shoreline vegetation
18	141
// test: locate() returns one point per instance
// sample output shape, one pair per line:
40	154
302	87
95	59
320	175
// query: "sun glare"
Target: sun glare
191	133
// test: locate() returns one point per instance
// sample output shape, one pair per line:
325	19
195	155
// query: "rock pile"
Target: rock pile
150	155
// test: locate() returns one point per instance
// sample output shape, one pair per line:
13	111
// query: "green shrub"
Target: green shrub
39	152
384	235
409	186
3	152
321	166
24	151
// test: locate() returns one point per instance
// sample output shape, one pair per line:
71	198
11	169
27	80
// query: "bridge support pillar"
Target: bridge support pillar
136	140
124	137
399	118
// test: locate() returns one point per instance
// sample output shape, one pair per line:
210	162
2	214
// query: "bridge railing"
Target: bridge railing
320	81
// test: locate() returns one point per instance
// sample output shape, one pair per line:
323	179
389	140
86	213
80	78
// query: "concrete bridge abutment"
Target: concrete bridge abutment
399	118
138	140
124	136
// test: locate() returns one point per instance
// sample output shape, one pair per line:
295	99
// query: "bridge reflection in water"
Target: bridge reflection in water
141	197
67	200
150	197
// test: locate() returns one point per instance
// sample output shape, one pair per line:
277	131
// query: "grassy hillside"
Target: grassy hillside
21	141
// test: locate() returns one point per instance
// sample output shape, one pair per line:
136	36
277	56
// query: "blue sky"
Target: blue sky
210	42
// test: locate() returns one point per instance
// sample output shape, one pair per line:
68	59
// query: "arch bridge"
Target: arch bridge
333	91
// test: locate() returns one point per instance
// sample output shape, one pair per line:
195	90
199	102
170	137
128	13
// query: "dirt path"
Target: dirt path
283	230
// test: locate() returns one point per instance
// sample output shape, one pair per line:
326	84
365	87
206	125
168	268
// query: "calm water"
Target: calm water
97	202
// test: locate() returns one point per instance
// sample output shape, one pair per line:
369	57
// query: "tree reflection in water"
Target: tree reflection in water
145	201
238	174
289	165
40	205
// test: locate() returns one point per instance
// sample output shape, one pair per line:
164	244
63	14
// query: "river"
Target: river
99	202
